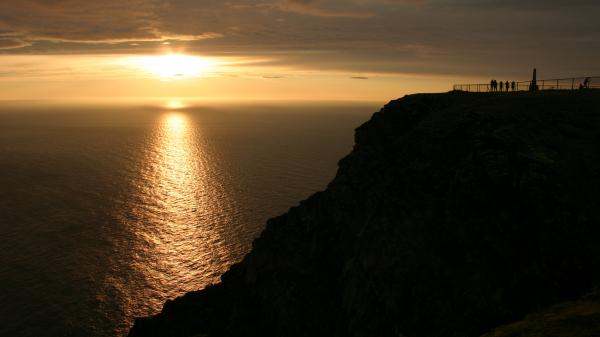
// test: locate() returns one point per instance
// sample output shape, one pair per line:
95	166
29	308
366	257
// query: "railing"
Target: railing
552	84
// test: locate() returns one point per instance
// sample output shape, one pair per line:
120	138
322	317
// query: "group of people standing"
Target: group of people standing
496	86
585	84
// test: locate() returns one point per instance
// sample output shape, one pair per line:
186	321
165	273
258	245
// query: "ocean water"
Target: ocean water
106	211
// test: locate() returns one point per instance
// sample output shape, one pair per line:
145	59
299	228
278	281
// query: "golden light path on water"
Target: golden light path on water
182	216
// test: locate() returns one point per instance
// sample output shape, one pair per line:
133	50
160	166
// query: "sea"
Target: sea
107	210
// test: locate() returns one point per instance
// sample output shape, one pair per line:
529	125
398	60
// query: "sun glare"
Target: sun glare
173	66
175	122
175	104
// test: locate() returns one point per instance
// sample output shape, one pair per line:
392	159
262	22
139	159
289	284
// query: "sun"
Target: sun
173	66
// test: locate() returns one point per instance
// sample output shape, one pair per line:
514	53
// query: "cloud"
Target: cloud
516	4
315	7
344	36
107	21
12	43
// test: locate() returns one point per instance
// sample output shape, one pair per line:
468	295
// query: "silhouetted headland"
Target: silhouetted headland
454	214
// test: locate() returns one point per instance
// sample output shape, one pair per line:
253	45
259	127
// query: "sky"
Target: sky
287	49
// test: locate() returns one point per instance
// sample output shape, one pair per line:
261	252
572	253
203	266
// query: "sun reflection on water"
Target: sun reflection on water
182	216
178	173
175	125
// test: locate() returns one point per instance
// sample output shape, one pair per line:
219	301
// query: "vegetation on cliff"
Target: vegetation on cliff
579	318
454	213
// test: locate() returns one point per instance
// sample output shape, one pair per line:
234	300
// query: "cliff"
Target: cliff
454	213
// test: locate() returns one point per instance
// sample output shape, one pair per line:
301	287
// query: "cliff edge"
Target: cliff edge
455	213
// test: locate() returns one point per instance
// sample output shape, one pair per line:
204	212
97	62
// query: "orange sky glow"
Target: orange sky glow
286	49
190	76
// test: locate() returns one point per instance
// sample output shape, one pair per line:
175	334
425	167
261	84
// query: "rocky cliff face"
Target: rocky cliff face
453	214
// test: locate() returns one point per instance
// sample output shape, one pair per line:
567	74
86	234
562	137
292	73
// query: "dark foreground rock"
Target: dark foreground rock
454	213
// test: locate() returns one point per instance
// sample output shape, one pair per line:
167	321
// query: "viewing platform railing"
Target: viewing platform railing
552	84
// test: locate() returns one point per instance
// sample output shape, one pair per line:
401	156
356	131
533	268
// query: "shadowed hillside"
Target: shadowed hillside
455	213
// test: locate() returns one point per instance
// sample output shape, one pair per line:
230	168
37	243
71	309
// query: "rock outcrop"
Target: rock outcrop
454	213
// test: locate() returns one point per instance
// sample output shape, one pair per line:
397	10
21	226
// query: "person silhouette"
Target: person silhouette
586	83
506	86
491	85
512	85
501	86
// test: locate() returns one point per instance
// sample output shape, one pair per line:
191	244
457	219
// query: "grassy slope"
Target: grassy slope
571	319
